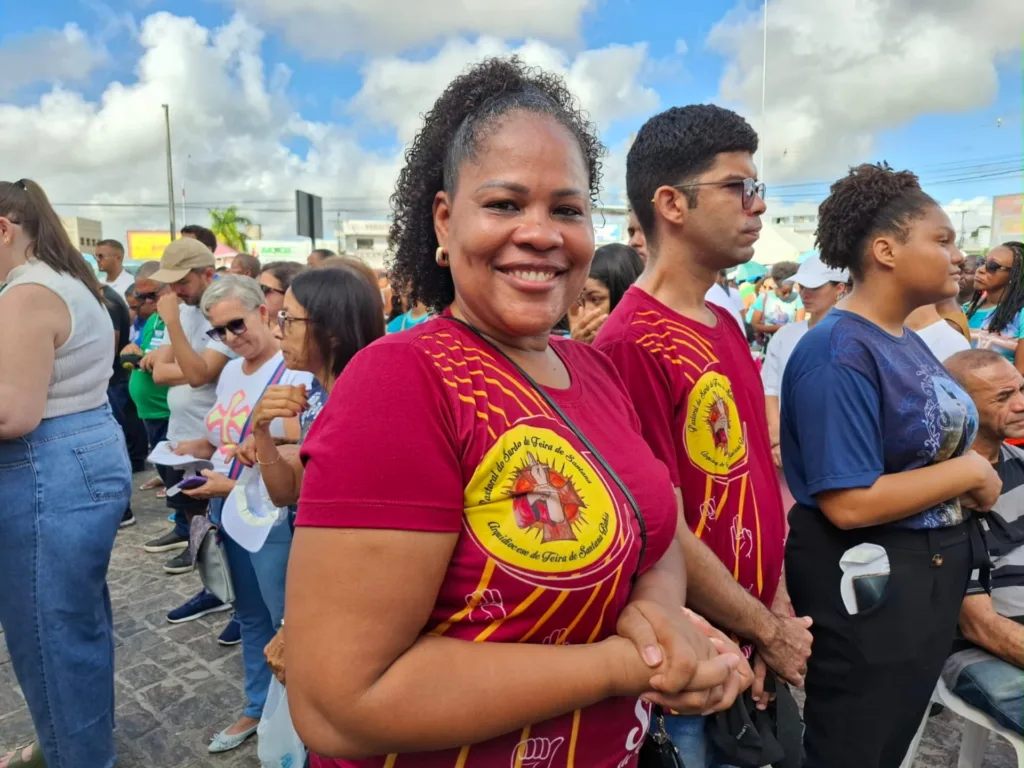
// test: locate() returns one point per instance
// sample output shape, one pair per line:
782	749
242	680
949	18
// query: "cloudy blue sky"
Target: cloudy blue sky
272	95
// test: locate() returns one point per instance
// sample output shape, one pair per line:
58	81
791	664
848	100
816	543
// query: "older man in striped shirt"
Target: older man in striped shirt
986	668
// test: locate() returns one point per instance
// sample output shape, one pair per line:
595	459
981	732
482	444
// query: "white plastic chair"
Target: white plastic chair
975	731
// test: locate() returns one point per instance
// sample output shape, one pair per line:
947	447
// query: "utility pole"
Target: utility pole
337	234
762	175
170	171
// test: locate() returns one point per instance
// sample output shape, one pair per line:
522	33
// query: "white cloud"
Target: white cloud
234	126
331	28
841	72
48	56
229	118
681	47
607	81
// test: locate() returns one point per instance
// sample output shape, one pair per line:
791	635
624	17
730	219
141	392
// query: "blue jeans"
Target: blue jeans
997	689
687	733
63	490
258	579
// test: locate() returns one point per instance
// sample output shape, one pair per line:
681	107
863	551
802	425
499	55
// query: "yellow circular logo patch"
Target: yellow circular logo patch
543	512
713	433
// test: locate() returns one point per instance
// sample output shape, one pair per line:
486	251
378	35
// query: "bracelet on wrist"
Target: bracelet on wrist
266	463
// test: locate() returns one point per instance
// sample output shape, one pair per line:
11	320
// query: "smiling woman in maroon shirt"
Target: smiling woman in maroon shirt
471	585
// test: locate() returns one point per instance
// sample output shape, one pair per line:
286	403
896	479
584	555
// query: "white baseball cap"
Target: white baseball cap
814	274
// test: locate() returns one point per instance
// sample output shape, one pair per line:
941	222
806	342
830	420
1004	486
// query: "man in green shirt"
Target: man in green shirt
150	399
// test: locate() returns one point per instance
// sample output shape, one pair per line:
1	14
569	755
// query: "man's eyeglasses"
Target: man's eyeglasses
220	332
284	319
748	188
144	297
267	290
993	266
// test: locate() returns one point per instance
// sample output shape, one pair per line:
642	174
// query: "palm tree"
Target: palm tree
229	227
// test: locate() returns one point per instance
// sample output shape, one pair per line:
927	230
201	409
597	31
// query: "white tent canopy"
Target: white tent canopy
780	244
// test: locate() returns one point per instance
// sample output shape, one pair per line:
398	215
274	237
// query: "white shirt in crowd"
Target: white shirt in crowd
729	301
123	282
237	395
942	340
780	349
190	405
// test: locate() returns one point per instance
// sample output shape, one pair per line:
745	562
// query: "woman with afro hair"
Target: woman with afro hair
500	586
877	457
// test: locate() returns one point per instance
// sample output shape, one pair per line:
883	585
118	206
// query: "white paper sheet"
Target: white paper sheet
164	455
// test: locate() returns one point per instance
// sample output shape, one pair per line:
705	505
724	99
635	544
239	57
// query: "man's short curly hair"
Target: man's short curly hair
471	106
676	146
871	200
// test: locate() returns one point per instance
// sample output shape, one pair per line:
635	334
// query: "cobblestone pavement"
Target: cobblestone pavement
176	687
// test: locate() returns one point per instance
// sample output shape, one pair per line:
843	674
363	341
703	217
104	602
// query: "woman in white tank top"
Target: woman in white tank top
65	481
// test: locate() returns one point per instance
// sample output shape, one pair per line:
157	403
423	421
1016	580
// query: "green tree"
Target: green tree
229	227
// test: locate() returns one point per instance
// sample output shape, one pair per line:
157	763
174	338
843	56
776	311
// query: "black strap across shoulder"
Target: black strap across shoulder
579	435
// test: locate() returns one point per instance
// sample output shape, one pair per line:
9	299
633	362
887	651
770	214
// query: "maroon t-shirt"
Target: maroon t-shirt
701	405
432	430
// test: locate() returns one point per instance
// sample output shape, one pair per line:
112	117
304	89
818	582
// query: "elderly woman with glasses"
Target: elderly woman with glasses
236	309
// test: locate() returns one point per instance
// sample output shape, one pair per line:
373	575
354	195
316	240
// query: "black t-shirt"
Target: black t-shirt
122	320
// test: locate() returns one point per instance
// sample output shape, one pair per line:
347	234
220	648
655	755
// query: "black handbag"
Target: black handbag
748	737
658	751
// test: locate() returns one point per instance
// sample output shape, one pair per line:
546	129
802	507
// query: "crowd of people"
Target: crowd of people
527	500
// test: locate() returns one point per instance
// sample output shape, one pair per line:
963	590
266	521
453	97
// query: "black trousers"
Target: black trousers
871	675
134	432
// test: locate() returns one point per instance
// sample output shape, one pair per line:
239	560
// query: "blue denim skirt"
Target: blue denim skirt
63	489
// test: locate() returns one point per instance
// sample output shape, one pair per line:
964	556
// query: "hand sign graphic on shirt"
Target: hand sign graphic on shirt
489	605
556	638
536	753
229	420
743	537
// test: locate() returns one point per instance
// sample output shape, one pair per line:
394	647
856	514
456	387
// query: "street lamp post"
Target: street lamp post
764	88
170	171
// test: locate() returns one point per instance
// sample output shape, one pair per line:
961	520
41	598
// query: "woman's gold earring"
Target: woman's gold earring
441	257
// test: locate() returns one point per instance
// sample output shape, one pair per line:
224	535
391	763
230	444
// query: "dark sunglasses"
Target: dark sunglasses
993	266
144	297
749	189
267	290
220	332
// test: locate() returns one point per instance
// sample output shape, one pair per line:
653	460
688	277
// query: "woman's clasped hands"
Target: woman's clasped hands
679	661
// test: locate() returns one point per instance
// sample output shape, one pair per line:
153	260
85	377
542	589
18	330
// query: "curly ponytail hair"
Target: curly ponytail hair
471	106
869	201
1012	301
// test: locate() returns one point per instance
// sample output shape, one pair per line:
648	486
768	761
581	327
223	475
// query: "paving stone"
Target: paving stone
142	675
134	721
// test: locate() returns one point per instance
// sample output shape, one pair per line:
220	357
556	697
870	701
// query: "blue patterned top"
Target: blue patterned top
858	403
315	400
980	321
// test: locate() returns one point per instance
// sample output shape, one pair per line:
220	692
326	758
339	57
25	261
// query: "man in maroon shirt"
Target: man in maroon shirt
692	185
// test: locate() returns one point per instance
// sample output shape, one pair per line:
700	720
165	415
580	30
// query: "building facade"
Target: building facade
84	233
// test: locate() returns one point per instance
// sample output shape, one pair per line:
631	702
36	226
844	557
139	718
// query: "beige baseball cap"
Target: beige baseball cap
180	257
